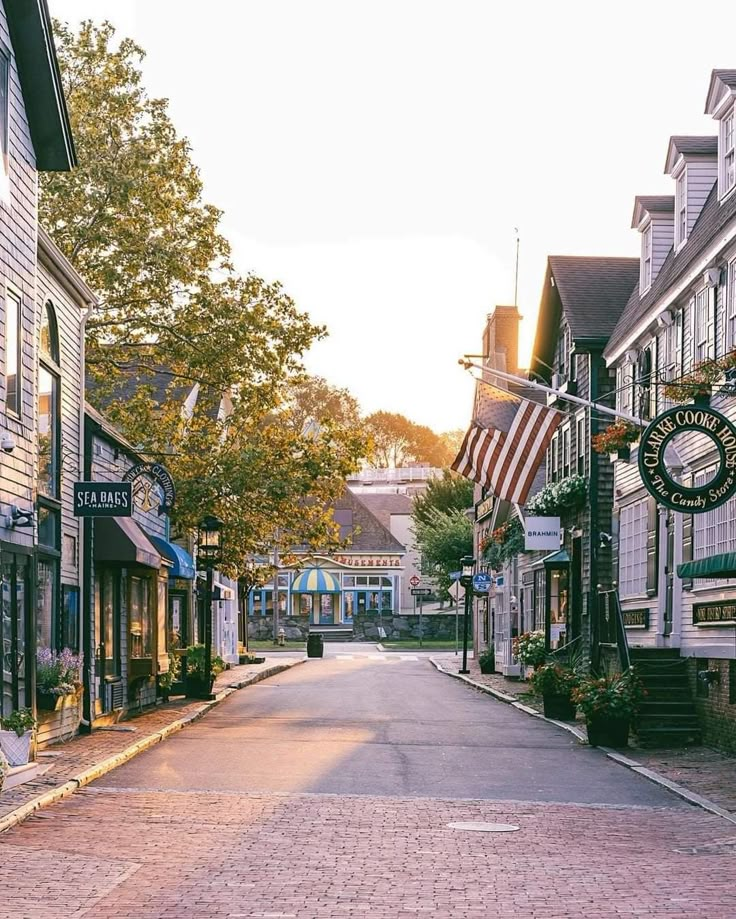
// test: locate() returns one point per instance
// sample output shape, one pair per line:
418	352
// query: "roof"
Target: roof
651	204
713	217
106	427
721	81
384	506
40	79
369	533
689	145
591	292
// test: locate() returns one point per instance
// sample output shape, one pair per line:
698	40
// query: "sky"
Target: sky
378	157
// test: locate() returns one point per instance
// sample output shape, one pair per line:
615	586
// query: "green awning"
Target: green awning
714	566
557	559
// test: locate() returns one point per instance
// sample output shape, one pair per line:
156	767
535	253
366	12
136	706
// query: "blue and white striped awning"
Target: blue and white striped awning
315	580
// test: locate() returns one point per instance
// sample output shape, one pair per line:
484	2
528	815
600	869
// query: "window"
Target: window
566	451
552	458
714	531
731	307
681	208
728	166
702	327
646	258
4	126
140	618
70	617
580	442
46	577
632	562
13	342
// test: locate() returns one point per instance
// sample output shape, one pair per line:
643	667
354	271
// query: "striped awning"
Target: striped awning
714	566
315	580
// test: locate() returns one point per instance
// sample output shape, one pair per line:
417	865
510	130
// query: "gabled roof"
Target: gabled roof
369	534
721	82
651	204
38	68
689	145
383	506
713	218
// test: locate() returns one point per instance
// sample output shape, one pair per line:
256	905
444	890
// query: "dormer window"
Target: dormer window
646	258
681	209
728	160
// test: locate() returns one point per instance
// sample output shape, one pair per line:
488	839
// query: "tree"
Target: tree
313	399
443	539
450	492
397	441
132	221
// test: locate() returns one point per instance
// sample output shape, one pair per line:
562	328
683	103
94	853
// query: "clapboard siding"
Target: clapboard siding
663	234
18	233
701	177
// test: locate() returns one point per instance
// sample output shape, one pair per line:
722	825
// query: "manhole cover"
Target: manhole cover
484	827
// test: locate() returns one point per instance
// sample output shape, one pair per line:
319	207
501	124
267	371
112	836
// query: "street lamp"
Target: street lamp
249	582
208	556
467	566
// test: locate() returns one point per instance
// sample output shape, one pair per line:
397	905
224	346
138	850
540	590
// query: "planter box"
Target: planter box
561	708
197	688
622	454
49	702
17	750
487	666
61	722
608	732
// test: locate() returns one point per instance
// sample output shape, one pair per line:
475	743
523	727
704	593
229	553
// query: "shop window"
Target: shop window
48	527
540	598
13	360
632	562
105	605
558	597
714	531
49	433
348	580
140	618
305	604
70	617
46	626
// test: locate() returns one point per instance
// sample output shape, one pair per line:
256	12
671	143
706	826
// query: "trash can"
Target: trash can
315	645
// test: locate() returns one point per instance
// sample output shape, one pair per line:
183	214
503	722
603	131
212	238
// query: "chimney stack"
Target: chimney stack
501	339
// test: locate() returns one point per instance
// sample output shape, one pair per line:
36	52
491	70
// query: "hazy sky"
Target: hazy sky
377	156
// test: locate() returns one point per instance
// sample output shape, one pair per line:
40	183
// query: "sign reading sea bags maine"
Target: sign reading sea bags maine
103	499
657	477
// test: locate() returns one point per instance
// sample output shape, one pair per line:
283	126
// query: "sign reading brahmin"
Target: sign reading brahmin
541	533
656	476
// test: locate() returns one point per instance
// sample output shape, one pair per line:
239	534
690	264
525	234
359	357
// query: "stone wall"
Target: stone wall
260	628
715	703
434	626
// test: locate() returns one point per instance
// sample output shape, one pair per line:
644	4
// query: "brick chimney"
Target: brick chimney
501	339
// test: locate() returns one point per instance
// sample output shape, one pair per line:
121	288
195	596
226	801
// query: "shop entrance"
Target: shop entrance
17	639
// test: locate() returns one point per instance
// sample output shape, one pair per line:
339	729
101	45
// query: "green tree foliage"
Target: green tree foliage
132	220
396	441
443	539
314	401
451	492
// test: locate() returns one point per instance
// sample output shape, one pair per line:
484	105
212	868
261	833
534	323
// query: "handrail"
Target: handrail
611	628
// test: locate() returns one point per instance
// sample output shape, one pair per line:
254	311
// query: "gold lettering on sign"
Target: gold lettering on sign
713	613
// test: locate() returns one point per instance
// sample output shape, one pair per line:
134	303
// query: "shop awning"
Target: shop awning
181	561
315	580
120	539
557	559
714	566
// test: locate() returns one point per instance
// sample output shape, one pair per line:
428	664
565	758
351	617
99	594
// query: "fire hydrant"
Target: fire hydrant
282	636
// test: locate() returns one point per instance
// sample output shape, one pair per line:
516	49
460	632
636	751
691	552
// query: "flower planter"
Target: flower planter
702	399
607	731
49	701
487	666
622	454
559	707
197	688
16	749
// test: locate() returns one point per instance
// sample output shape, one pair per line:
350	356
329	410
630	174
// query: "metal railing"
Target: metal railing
610	631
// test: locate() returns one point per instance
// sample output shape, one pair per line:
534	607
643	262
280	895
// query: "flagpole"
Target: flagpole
578	400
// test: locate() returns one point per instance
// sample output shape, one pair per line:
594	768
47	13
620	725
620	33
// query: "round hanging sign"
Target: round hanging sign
657	478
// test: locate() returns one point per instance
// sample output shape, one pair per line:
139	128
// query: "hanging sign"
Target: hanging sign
656	476
143	491
541	533
103	499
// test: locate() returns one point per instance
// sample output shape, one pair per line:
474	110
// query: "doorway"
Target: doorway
17	638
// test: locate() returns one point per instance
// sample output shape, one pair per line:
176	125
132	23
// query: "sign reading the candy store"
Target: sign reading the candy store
657	477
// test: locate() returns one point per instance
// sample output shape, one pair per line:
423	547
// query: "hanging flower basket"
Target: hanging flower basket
621	455
567	495
616	439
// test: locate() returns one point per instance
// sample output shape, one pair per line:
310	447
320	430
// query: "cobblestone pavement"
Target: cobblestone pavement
63	761
702	770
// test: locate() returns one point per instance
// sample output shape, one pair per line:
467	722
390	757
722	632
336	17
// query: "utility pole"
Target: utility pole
516	275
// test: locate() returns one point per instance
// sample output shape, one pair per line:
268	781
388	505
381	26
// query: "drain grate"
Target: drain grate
484	827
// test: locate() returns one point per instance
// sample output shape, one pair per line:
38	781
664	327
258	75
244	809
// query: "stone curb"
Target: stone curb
690	796
112	762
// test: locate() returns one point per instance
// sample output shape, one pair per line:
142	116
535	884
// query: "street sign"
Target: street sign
455	591
103	499
455	575
482	582
414	581
420	591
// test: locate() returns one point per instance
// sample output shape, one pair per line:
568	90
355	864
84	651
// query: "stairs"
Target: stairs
667	717
332	632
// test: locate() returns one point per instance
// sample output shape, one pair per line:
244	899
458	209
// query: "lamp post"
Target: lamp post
208	555
467	566
250	582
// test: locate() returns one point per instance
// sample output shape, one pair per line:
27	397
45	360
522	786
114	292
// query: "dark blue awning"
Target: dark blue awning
183	564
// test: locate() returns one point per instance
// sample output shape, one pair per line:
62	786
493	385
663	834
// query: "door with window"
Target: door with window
16	632
107	632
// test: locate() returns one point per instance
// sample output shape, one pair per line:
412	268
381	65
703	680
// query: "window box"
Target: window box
620	454
140	668
569	387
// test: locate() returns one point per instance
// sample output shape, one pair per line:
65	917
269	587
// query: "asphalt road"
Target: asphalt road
358	786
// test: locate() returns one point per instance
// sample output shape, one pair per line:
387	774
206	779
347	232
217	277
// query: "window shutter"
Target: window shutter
652	547
711	323
615	533
687	546
653	377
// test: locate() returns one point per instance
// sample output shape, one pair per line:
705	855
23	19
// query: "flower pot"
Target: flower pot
487	666
559	707
622	454
702	399
49	701
608	731
197	688
16	749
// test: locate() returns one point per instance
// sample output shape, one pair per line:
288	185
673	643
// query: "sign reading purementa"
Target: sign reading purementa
656	475
541	533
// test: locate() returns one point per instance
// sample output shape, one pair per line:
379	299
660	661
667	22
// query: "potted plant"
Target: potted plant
57	676
558	497
609	705
555	683
529	648
616	440
487	660
697	385
198	685
16	735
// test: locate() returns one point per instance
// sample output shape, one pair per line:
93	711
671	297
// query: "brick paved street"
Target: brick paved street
327	791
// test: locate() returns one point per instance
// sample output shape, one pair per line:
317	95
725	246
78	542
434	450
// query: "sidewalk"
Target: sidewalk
65	767
702	771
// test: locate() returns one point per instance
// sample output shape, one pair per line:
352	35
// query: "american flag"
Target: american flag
506	463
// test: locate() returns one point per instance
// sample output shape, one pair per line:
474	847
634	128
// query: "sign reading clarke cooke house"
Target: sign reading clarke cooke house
653	468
